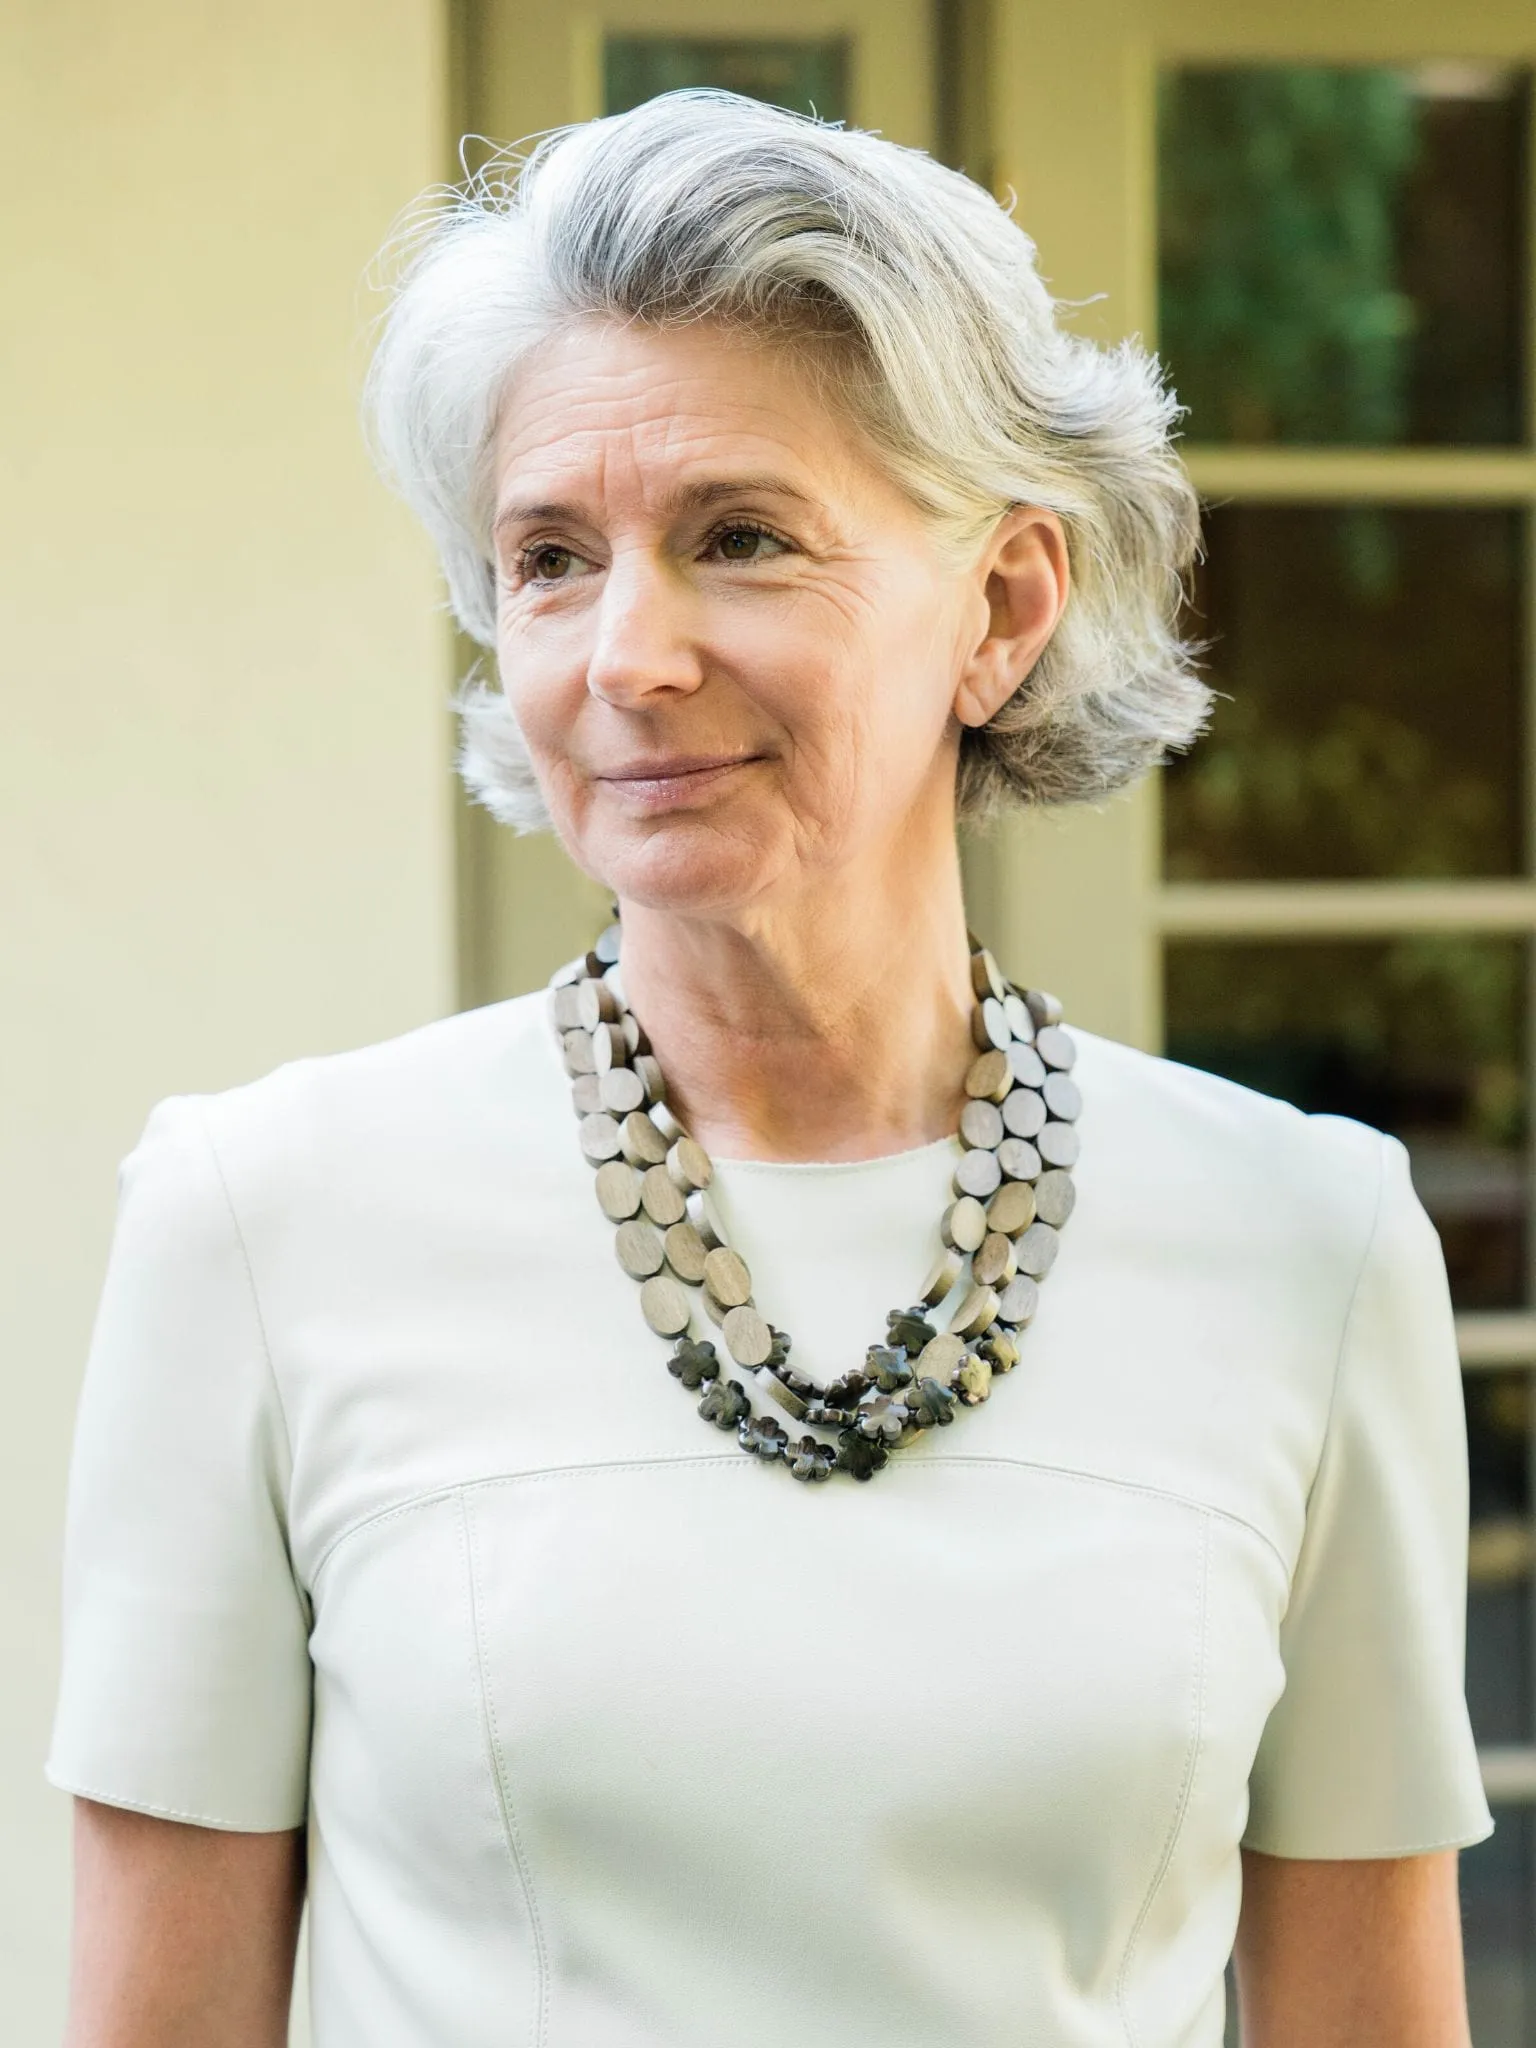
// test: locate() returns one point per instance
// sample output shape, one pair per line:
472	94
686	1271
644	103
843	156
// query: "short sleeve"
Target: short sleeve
1369	1751
185	1689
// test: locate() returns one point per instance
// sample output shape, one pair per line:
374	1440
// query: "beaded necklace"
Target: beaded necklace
1012	1192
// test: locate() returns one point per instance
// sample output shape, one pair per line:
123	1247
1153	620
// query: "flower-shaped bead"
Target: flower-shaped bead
724	1404
909	1328
811	1459
847	1391
860	1455
888	1366
931	1405
882	1420
693	1363
780	1349
761	1435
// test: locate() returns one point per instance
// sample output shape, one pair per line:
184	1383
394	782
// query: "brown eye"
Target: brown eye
550	565
740	543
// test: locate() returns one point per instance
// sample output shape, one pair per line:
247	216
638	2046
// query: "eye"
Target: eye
549	562
746	543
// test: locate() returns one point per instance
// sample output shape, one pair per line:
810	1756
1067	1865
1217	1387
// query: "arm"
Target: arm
184	1936
1351	1954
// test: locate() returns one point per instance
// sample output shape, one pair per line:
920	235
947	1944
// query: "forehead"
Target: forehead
606	406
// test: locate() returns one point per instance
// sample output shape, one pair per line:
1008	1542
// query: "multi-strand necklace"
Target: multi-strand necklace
1012	1192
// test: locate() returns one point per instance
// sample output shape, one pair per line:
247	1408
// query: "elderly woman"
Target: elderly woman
702	1569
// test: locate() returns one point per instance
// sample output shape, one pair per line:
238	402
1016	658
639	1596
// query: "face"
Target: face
731	643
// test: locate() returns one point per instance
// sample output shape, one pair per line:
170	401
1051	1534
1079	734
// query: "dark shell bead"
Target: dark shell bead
693	1363
860	1456
725	1404
779	1351
909	1329
846	1392
888	1366
811	1460
762	1436
931	1405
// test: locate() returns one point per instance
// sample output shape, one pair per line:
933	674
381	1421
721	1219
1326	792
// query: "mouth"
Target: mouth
673	782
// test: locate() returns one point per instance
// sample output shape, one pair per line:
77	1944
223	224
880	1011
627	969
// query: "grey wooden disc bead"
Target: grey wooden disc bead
964	1224
978	1174
596	1003
981	1123
608	1047
699	1217
1058	1145
1020	1023
977	1312
664	1304
986	980
1023	1113
1063	1098
946	1272
727	1278
607	943
1018	1159
639	1247
1055	1047
1037	1250
1018	1301
747	1336
1042	1007
600	1138
620	1090
1012	1208
688	1164
662	1198
661	1116
939	1357
1055	1197
565	1007
640	1141
1027	1066
586	1095
618	1190
686	1252
989	1077
576	1051
651	1079
995	1262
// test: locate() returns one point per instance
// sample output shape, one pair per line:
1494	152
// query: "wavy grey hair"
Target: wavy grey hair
917	293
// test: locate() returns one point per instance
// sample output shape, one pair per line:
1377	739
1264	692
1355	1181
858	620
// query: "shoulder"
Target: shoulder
1196	1153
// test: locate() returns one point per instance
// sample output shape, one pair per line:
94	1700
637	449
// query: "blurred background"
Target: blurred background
229	832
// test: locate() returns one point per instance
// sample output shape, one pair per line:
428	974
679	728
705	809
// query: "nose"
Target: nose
644	643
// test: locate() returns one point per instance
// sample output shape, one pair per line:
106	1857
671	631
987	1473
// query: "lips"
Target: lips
673	781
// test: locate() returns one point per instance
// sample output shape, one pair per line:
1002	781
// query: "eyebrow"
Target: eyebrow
697	497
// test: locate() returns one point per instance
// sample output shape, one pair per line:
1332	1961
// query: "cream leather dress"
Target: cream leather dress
387	1518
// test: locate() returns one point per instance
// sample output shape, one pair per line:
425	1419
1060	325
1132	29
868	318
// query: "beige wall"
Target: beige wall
225	828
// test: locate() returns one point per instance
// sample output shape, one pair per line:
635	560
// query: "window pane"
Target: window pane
807	77
1424	1037
1498	1912
1499	1558
1341	251
1369	659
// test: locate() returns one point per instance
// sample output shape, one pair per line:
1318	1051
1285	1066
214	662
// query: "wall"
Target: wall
225	825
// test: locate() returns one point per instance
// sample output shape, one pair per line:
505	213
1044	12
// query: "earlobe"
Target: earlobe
1024	580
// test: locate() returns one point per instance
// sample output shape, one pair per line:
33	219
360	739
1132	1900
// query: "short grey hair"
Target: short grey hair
945	348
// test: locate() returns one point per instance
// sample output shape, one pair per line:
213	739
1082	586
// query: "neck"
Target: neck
839	1029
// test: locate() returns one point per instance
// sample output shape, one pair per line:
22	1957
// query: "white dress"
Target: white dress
386	1513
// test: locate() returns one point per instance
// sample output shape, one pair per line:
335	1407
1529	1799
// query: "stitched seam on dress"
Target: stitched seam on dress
1347	1326
149	1806
1191	1765
734	1461
509	1824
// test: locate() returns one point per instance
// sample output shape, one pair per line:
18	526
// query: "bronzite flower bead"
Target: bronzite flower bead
1010	1194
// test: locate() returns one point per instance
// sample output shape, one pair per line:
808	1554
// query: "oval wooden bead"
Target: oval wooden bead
661	1197
586	1095
614	979
963	1225
596	1002
981	1124
994	1021
1037	1250
1042	1007
747	1335
1055	1196
989	1077
978	1174
686	1252
702	1221
995	1262
606	944
1055	1047
618	1190
665	1122
1020	1023
688	1163
642	1144
608	1047
727	1278
576	1050
649	1070
943	1277
1023	1113
664	1304
939	1357
621	1090
1018	1301
565	1007
985	978
1018	1159
1058	1145
601	1138
977	1312
1012	1208
1063	1098
1027	1065
640	1249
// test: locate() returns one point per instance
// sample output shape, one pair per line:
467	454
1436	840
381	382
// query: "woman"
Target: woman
800	530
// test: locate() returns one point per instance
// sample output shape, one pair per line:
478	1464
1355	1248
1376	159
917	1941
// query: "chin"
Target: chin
688	865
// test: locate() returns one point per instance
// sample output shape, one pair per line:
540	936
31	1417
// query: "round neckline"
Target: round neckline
832	1167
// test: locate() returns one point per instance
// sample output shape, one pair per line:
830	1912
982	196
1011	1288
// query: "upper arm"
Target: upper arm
183	1936
1351	1954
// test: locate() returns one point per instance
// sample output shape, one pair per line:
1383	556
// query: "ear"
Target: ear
1021	583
